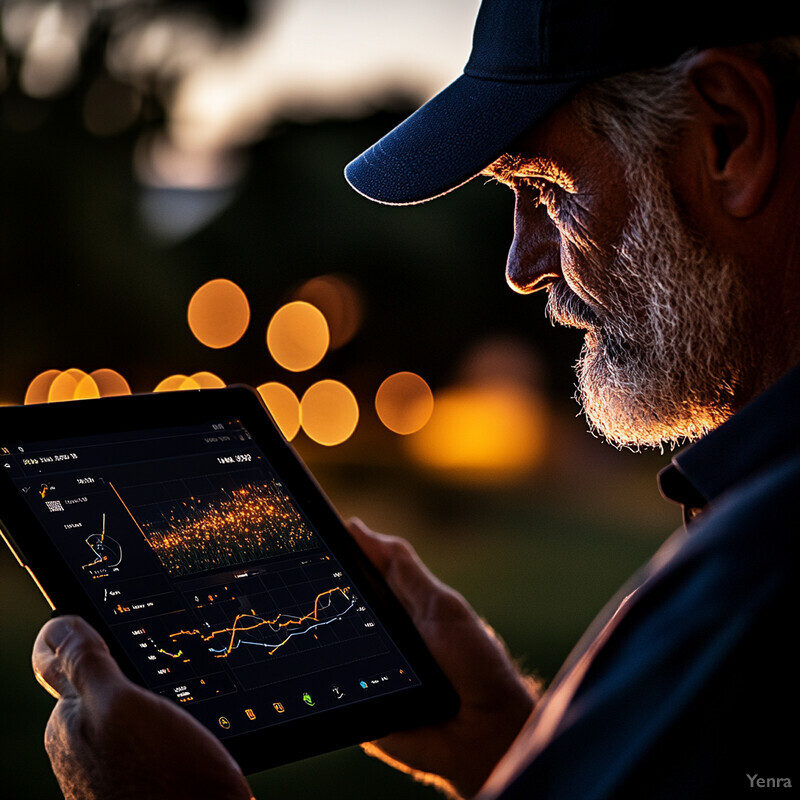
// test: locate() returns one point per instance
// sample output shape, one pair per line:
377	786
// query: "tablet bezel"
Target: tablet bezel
433	700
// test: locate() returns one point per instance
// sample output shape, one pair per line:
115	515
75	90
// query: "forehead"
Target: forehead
561	150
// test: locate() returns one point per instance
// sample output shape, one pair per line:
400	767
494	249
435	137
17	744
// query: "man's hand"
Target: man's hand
496	699
108	739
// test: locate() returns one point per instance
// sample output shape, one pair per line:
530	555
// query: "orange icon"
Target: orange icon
279	707
224	722
250	713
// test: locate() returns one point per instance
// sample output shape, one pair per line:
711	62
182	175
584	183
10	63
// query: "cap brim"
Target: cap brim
451	139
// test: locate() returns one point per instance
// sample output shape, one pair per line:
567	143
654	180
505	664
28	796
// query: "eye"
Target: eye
545	193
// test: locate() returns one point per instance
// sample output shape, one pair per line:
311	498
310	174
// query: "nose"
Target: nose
534	259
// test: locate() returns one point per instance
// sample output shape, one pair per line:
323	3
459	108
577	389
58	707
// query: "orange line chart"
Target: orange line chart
284	626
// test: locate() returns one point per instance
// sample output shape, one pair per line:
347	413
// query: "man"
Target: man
656	166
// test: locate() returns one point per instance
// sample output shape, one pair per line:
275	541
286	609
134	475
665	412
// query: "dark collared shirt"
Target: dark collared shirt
685	686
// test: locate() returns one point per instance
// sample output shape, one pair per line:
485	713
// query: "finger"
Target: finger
70	658
372	543
386	551
418	589
46	665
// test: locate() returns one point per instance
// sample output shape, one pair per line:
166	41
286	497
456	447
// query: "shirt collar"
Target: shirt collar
763	431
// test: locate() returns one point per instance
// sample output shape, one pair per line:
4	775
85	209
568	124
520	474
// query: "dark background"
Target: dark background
87	283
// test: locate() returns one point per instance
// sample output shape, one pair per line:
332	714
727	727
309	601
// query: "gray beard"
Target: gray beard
662	360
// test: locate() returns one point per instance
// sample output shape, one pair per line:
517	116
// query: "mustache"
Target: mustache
564	307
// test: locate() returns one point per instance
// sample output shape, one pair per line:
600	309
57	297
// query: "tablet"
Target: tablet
188	532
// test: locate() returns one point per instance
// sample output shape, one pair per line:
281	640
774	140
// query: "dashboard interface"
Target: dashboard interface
208	573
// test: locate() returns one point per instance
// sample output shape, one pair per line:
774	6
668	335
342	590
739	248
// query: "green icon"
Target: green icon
307	699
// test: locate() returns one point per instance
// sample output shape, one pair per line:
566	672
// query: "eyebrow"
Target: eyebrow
508	167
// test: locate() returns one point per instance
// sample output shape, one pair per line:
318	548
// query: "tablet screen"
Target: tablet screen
208	572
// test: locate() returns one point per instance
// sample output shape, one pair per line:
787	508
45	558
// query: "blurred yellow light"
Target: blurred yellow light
39	387
75	384
207	380
110	383
482	433
199	380
341	303
284	407
329	412
86	389
298	336
219	313
176	383
65	386
404	403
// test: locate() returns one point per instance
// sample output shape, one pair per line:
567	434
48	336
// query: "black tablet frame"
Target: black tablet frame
433	700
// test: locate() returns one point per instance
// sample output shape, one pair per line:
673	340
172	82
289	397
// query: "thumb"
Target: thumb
70	657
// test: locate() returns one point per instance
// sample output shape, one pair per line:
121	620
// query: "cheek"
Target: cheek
581	276
591	233
585	267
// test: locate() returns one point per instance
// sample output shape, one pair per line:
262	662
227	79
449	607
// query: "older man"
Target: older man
657	179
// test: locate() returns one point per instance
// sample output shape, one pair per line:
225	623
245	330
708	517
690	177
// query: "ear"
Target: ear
736	119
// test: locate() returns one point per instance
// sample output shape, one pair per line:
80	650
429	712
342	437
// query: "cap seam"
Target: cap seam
542	78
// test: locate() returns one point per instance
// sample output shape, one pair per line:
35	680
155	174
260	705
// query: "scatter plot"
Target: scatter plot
224	527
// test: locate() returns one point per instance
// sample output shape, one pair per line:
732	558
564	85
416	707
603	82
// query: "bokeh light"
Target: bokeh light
341	302
298	336
53	385
65	385
176	383
199	380
49	37
219	313
482	433
284	406
207	380
85	389
404	403
329	412
110	383
39	387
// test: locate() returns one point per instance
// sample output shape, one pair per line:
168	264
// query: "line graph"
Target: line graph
107	551
162	651
328	607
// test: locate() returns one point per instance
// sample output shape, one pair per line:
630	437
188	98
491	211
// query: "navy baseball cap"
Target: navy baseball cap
527	57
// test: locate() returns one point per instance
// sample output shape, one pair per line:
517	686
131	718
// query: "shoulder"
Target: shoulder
749	530
682	690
